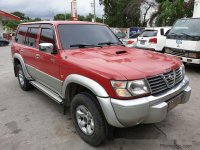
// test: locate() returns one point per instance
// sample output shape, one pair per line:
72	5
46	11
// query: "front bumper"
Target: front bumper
187	60
151	109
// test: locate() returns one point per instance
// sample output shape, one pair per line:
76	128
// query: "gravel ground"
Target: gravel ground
32	121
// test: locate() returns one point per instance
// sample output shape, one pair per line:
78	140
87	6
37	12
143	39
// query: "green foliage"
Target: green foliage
170	11
80	18
62	17
122	13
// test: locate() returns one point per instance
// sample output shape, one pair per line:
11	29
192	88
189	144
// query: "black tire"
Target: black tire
101	128
1	44
26	86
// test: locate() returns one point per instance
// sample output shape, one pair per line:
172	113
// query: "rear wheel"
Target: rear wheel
23	82
88	119
1	44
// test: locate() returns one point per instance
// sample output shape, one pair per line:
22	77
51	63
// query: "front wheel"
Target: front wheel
88	119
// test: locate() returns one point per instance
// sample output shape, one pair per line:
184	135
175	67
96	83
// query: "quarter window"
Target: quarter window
20	37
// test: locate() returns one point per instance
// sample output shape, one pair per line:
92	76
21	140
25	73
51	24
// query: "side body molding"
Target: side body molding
92	85
19	57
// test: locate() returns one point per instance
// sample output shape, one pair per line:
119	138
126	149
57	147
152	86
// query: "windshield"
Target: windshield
83	35
149	33
185	29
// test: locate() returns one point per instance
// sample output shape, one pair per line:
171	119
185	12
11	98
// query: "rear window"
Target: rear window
20	37
149	33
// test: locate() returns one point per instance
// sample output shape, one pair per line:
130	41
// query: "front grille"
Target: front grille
164	82
176	52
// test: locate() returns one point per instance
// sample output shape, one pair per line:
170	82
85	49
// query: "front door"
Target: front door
48	67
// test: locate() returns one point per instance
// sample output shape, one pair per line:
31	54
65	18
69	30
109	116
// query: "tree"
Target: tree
66	16
171	10
147	5
80	17
122	13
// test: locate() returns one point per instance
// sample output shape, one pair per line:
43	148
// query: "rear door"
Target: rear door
30	49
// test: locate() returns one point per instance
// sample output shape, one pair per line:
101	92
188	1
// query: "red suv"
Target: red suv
84	65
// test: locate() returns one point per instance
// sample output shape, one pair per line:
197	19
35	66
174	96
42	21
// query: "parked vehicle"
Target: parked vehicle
106	84
3	42
153	39
183	41
132	39
131	42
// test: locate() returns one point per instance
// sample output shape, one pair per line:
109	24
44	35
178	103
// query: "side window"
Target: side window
47	36
20	36
31	37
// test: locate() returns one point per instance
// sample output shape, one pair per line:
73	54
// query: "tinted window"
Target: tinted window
186	29
85	34
20	37
149	33
47	36
31	37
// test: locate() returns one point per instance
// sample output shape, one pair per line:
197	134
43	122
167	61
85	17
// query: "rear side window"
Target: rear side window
31	37
20	37
149	33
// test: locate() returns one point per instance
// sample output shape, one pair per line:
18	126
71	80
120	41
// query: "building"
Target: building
6	16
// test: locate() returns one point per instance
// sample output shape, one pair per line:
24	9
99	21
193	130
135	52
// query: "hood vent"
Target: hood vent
121	52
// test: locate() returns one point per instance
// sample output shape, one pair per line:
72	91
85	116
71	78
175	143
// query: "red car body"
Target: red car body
129	86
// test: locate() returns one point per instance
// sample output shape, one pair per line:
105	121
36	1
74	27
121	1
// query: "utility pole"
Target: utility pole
94	11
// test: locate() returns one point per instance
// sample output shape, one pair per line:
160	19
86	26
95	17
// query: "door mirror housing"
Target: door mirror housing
162	32
47	47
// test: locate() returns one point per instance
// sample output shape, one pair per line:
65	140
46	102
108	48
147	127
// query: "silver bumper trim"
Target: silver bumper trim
151	109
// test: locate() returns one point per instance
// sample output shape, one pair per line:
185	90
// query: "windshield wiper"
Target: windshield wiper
85	45
187	35
110	43
173	34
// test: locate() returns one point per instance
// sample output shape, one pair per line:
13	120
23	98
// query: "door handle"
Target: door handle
21	50
52	60
37	56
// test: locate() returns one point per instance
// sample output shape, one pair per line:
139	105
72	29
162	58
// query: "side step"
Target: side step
47	91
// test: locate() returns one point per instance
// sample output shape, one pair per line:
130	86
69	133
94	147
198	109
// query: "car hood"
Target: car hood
118	61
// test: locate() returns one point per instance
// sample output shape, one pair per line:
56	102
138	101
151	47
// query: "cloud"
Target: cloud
48	8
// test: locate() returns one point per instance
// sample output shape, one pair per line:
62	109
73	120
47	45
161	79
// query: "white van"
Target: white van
153	38
183	41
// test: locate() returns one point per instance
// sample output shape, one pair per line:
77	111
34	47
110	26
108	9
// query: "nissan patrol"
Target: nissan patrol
84	66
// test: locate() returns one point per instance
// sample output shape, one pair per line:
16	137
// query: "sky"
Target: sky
46	9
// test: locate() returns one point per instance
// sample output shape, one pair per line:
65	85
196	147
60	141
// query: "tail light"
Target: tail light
153	40
130	42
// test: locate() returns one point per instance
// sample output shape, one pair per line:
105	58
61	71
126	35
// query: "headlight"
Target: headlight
120	88
138	87
192	55
182	68
131	88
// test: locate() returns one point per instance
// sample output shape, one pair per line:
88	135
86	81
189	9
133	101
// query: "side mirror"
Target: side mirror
47	47
162	32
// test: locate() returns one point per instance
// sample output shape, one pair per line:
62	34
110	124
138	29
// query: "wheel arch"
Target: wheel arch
18	59
77	83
